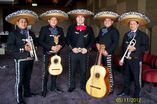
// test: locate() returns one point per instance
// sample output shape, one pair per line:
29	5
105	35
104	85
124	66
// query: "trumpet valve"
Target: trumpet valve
128	57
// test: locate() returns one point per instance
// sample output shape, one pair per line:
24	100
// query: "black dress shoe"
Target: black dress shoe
122	94
29	94
58	90
21	102
71	89
136	96
83	89
111	92
43	93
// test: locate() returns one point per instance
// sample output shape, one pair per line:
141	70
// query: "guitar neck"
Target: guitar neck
99	58
101	47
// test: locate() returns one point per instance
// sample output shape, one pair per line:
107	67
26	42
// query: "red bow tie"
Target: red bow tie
81	27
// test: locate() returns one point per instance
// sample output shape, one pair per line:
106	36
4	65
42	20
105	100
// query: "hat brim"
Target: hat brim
101	18
74	15
140	20
77	12
60	17
30	18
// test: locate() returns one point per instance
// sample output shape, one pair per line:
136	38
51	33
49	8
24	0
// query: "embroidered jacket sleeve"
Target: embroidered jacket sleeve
124	45
115	41
144	43
61	38
42	38
91	38
12	43
68	37
35	41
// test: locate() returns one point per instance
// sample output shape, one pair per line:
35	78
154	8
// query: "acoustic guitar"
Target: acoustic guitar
55	67
98	84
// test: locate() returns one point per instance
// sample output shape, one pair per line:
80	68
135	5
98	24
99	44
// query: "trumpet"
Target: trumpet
29	40
127	52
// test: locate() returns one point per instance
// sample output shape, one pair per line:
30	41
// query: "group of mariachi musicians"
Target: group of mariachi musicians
80	39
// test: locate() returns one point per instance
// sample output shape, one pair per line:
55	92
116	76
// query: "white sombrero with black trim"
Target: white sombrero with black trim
83	12
22	14
60	15
125	18
106	14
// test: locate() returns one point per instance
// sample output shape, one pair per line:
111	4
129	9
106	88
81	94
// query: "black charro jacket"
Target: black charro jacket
82	39
46	39
15	42
142	44
110	39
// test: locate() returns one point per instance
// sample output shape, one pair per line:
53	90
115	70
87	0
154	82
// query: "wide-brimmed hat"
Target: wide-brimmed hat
83	12
106	14
140	18
60	15
21	14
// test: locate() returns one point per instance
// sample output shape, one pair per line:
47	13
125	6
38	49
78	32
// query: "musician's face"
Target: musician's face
133	25
80	19
108	22
22	23
53	21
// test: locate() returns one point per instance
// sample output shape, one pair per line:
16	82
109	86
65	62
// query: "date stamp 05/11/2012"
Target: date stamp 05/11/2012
127	100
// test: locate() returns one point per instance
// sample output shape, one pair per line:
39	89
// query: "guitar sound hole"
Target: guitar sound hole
97	75
55	61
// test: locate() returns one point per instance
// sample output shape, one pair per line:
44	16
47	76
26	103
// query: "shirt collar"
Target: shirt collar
134	30
81	24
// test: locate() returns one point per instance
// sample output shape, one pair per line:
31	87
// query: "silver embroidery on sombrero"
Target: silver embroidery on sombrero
54	11
125	17
21	12
106	14
78	11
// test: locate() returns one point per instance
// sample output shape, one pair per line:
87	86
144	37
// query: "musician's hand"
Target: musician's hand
27	47
84	51
132	48
121	63
105	53
75	50
54	49
58	47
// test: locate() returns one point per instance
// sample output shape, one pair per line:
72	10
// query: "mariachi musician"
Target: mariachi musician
19	43
108	36
80	38
50	48
135	43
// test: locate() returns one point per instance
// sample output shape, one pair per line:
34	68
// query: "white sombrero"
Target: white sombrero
21	14
60	15
83	12
140	18
106	14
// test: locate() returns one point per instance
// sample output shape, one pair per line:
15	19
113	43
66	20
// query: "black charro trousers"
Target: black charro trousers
77	62
132	70
23	76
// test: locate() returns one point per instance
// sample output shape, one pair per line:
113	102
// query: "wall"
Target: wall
151	11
